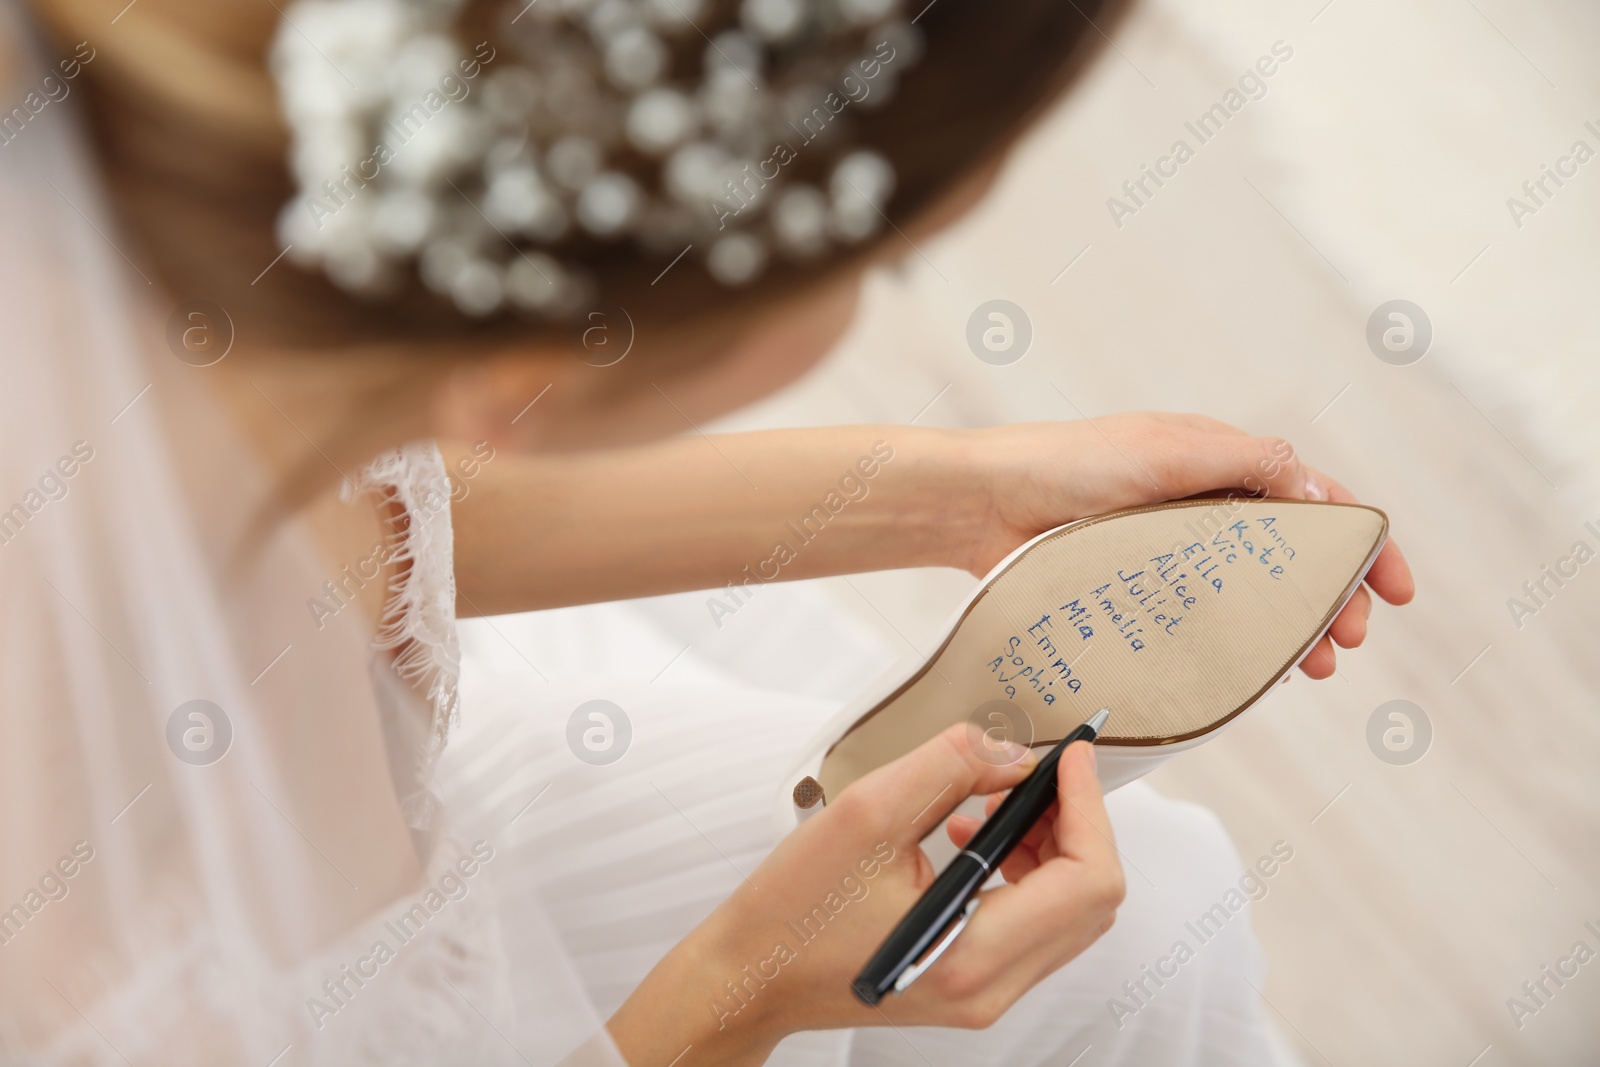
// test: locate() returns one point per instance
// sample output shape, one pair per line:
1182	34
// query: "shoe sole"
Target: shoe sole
1177	616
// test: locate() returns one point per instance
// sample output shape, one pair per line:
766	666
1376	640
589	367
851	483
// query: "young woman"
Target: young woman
234	567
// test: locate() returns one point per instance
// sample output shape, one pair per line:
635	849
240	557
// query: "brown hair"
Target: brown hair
185	123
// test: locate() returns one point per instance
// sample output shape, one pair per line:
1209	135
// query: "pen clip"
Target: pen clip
912	973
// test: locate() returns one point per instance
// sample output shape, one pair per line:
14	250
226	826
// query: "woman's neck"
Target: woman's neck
314	420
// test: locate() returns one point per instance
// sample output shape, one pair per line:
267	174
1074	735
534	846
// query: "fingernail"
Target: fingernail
1020	754
1094	758
1314	487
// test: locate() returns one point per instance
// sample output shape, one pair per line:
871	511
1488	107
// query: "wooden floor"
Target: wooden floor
1421	897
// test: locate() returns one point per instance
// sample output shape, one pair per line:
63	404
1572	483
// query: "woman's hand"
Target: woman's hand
1041	475
778	956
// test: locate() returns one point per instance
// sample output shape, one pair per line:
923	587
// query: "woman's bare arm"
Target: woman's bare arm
700	512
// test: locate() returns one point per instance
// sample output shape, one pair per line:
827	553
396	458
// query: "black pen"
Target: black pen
952	898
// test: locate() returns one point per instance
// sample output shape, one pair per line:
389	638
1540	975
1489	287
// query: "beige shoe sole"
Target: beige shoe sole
1176	616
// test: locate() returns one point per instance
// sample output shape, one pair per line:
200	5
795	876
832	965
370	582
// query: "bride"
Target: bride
244	298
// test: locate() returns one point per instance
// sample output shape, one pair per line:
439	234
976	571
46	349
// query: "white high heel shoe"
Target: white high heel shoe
1176	616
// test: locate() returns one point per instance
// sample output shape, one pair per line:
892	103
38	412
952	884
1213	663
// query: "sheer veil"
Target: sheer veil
213	798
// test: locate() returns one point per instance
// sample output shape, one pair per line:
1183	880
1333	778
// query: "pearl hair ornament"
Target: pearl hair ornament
480	170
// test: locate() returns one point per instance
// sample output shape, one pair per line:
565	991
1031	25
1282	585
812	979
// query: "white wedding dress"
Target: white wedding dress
270	877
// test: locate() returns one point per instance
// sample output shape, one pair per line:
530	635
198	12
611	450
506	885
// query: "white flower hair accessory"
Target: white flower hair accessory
486	169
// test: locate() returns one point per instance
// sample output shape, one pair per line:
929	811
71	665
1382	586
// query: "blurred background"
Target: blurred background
1436	874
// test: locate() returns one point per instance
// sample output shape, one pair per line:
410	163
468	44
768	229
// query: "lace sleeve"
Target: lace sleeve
418	626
